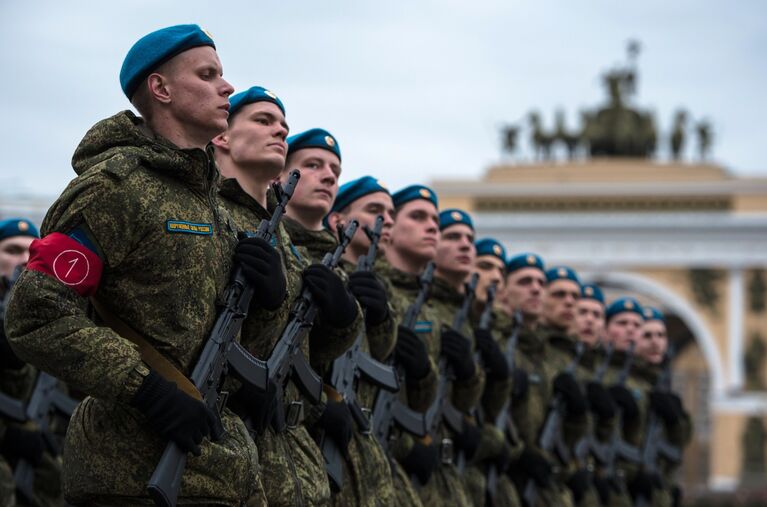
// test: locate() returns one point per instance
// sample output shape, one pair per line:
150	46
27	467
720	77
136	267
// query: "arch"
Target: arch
683	309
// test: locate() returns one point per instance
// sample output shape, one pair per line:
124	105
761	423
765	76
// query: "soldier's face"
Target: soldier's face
654	341
14	251
414	233
197	94
455	251
318	186
559	302
524	291
255	139
366	210
623	329
589	322
490	269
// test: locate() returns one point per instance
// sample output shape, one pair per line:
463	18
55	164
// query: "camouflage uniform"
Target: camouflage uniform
493	442
562	353
131	186
530	412
367	476
402	289
293	470
447	485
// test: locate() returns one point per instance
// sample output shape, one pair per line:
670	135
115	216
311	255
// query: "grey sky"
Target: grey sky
413	90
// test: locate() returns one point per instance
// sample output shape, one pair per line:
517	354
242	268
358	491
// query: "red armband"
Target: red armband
68	261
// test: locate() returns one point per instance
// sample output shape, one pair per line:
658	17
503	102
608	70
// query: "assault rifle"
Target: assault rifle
211	368
655	445
442	410
618	448
46	400
552	427
388	409
503	421
351	366
589	445
286	361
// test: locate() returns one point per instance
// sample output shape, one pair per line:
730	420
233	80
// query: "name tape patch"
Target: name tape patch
423	326
189	227
68	261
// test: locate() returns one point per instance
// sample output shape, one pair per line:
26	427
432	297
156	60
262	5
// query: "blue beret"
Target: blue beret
412	193
17	227
454	216
621	305
156	48
562	273
592	291
355	189
314	138
525	260
489	246
652	313
251	95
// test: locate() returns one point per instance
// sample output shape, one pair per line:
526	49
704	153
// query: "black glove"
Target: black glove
468	440
8	359
492	357
521	384
338	424
566	385
666	406
173	414
254	406
600	401
503	459
579	483
337	306
643	486
535	466
20	443
457	349
604	489
262	266
625	400
411	353
421	461
371	295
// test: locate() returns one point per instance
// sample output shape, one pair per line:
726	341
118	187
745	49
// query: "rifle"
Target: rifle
349	367
388	409
618	448
503	420
589	445
655	445
211	368
442	410
47	399
552	427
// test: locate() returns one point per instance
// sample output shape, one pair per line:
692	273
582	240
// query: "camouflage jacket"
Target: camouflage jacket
133	194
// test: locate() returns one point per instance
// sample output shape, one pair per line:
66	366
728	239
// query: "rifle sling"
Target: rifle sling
148	353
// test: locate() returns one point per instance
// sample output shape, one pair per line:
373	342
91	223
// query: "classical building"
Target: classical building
690	239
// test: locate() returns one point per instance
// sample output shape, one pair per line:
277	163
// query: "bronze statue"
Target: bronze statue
570	139
678	134
704	138
542	141
510	133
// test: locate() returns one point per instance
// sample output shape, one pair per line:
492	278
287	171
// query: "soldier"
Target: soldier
666	404
625	319
454	261
495	448
367	474
140	234
251	153
412	245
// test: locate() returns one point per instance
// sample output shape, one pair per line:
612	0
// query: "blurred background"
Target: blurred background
622	138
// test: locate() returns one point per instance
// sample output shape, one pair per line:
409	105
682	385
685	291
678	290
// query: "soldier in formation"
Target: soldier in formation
243	330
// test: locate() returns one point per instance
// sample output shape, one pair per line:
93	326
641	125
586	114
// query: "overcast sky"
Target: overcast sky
412	90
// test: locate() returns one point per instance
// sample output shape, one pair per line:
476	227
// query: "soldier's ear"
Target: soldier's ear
158	88
334	219
221	142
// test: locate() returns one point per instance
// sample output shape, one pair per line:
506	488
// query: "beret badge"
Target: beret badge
424	193
23	226
497	249
330	141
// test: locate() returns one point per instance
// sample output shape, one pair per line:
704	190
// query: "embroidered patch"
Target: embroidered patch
534	378
295	252
189	227
67	260
423	326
